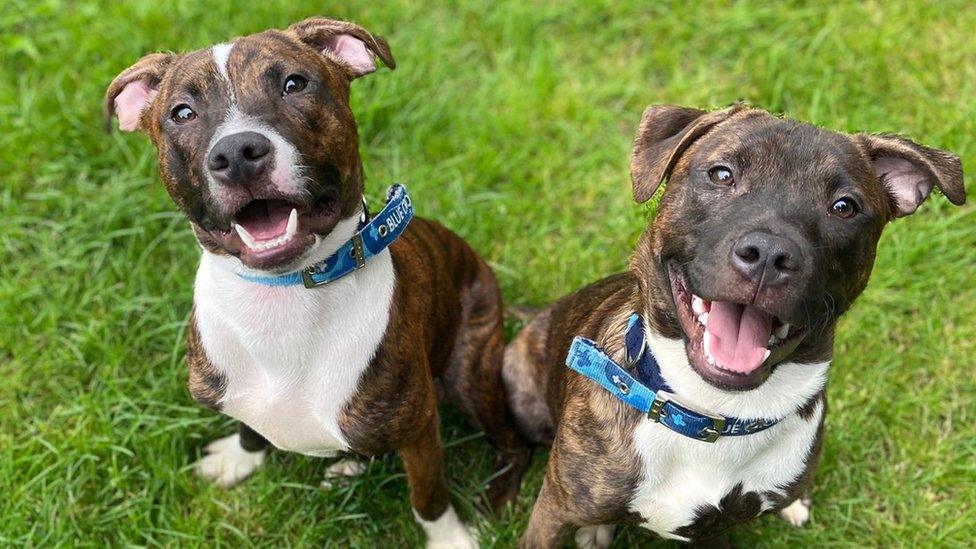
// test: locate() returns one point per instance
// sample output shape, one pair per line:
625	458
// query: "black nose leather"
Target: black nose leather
760	256
240	158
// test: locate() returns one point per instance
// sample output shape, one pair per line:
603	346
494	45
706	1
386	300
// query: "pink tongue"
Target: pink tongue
739	336
264	219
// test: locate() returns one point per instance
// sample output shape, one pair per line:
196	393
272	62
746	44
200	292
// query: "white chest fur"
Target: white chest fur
292	356
680	475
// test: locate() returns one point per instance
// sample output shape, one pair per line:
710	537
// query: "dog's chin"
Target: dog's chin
734	365
275	235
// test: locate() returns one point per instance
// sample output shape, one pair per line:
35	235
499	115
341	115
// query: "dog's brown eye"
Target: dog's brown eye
294	84
720	175
181	114
845	208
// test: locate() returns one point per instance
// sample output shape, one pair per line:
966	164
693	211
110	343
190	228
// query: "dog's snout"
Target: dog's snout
240	158
760	256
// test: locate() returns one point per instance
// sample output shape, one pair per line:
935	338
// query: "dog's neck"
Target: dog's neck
279	314
789	388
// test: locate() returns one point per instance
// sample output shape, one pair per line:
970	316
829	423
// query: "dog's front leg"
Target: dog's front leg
548	524
231	459
423	460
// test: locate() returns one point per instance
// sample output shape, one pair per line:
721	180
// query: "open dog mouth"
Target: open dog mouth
731	345
269	233
266	225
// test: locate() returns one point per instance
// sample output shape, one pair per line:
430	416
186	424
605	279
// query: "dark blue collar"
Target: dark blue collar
372	237
651	394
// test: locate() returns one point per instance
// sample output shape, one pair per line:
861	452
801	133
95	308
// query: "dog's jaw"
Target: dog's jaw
787	388
693	313
321	247
796	377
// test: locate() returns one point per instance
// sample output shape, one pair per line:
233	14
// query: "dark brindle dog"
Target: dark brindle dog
697	400
258	146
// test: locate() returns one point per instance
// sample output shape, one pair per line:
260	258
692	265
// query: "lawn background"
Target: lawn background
511	122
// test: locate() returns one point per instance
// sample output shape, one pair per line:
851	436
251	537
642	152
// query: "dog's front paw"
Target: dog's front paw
344	468
448	532
594	537
797	513
227	463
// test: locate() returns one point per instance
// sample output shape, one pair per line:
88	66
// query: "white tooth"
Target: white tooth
765	356
292	225
783	331
773	340
245	236
703	319
697	305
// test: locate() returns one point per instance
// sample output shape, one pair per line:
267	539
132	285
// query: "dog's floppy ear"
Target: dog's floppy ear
666	131
909	171
134	89
349	45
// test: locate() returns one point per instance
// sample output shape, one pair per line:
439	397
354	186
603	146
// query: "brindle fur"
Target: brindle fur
593	469
446	318
456	332
206	383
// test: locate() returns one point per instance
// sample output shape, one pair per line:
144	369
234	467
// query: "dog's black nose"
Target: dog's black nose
761	256
240	158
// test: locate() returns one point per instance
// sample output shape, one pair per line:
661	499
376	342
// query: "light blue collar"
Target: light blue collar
373	236
651	394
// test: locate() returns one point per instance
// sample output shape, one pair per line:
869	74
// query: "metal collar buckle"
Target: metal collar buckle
707	434
356	252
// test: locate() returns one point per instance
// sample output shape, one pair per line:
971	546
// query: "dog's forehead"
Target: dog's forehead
235	62
191	75
766	137
781	146
260	49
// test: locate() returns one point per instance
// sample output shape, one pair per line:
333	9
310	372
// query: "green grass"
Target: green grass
511	122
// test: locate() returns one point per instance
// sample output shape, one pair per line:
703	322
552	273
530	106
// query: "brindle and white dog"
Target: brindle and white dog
258	146
765	235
